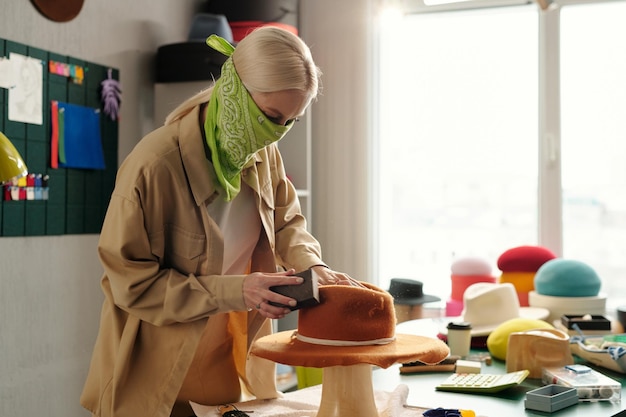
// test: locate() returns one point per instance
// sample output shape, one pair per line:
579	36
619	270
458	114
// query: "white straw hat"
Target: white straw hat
487	305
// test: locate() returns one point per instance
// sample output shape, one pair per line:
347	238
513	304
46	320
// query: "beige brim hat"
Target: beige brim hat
485	330
487	305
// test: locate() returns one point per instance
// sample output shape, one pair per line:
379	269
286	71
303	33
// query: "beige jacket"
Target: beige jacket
162	258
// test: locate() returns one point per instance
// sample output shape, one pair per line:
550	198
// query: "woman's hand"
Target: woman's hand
329	277
257	293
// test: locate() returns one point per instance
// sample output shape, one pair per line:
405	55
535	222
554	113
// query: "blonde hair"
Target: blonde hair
268	60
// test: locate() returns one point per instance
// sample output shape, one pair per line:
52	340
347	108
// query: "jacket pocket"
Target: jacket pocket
179	249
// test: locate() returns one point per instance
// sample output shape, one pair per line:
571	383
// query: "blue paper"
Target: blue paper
82	138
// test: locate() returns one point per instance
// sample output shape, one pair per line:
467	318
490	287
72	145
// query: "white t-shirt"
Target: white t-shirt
240	224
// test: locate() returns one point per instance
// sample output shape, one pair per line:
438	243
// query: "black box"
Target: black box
306	294
586	323
188	61
281	11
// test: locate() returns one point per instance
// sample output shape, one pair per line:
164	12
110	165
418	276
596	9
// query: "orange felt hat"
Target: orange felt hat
351	325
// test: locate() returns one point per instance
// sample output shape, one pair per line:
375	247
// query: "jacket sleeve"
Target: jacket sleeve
154	274
296	247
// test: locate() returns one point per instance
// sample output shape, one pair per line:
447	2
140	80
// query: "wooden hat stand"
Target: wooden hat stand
347	391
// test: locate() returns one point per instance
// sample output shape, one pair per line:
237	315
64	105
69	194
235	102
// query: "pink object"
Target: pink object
461	282
471	265
466	271
454	308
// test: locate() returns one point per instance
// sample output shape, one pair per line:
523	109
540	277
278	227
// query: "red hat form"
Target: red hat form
519	266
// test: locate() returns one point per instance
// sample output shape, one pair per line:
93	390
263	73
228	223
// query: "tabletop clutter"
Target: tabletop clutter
543	317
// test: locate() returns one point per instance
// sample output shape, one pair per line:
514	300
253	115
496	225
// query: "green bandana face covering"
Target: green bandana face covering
235	127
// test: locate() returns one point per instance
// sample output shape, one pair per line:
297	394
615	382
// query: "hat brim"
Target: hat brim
283	347
535	313
416	300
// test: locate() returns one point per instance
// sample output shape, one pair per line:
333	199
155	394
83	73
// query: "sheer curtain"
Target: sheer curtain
457	141
593	65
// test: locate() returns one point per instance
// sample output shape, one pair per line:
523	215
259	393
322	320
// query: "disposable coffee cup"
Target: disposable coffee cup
459	338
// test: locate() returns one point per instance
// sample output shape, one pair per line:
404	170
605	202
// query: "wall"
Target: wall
50	296
340	34
49	286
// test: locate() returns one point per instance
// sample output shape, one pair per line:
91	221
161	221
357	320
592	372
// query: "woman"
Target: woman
201	216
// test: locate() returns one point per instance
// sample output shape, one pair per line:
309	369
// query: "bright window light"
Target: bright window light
458	141
440	2
593	92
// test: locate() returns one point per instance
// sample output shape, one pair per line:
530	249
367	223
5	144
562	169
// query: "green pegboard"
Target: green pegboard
77	199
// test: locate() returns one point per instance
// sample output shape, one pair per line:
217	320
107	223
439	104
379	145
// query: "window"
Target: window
593	137
458	154
458	140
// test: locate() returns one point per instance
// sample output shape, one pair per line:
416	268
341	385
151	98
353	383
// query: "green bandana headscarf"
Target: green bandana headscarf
235	127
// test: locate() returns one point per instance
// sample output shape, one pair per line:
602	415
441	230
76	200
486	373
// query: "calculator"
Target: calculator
482	383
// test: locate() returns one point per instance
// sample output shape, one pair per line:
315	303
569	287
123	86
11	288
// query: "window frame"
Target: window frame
550	211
